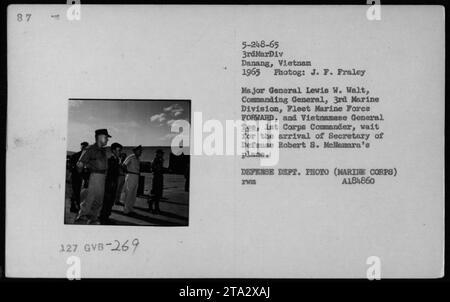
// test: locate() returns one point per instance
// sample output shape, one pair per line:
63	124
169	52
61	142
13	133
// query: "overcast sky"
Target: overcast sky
130	123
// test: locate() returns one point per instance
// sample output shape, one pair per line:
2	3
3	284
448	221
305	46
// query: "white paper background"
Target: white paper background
283	227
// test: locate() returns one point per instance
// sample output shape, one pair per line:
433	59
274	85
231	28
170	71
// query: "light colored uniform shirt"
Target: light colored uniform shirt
132	163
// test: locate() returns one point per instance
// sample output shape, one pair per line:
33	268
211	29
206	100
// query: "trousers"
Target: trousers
129	192
90	207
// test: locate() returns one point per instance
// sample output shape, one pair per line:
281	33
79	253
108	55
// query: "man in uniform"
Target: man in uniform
111	182
95	160
158	180
76	179
132	168
121	178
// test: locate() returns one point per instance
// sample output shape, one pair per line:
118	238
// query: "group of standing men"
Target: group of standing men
98	183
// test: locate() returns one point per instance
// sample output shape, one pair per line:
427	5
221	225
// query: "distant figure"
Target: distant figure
121	178
111	182
158	181
95	160
76	179
132	168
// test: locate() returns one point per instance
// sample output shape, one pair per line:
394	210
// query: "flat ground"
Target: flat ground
174	205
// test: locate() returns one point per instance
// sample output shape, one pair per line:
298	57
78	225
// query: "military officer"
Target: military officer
121	178
132	168
158	180
95	160
76	179
111	182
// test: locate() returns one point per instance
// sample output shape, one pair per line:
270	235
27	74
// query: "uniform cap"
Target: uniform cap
102	131
116	145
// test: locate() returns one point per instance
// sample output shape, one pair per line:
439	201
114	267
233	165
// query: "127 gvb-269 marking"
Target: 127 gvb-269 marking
113	246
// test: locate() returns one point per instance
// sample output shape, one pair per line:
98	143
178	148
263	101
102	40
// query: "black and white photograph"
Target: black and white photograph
120	167
312	139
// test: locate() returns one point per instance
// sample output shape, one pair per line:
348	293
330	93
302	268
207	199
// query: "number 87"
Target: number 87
20	17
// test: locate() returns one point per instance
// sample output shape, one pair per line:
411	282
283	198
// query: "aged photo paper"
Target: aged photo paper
148	141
